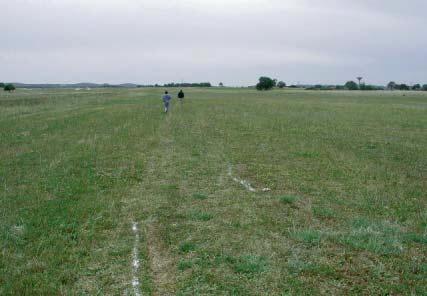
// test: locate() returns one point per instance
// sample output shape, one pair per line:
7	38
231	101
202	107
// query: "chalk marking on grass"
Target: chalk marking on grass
135	260
244	183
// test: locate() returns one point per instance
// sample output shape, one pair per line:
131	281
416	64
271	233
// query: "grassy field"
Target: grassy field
346	212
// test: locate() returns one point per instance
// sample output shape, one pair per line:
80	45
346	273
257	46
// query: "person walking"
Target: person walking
181	96
166	101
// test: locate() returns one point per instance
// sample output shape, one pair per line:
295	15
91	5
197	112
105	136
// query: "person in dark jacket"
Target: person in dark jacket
181	96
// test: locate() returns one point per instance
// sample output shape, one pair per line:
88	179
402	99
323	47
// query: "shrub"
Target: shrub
9	87
402	86
368	87
281	84
416	86
391	85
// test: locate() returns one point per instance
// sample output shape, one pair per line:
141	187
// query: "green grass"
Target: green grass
199	196
346	213
187	247
288	199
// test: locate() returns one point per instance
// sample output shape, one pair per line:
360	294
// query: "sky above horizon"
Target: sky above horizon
229	41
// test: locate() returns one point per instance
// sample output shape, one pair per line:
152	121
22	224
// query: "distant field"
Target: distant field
344	209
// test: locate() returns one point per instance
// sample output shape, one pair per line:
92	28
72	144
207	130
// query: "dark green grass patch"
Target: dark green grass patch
309	237
187	247
288	199
249	265
416	238
184	265
324	213
200	196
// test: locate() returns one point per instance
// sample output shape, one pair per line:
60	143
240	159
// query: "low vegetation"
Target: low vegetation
345	212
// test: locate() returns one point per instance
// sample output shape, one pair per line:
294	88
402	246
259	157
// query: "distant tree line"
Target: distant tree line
396	86
184	84
267	83
148	85
351	85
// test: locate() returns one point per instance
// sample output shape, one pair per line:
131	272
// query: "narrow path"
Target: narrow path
160	266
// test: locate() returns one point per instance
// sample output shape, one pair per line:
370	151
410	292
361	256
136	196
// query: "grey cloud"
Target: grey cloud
232	41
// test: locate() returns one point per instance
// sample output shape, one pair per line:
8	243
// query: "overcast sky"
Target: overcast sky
233	41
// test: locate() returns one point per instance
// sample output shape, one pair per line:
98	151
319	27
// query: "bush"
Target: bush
281	84
351	85
425	87
9	87
368	87
402	87
265	83
416	86
391	85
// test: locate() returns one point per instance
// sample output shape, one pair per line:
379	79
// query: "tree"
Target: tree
9	87
351	85
281	84
2	85
425	87
265	83
360	79
221	84
402	87
391	85
416	86
364	86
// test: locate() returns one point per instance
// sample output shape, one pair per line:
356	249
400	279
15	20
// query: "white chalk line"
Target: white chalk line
244	183
135	260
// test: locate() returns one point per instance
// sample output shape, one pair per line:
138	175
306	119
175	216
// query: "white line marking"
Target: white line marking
244	183
135	260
